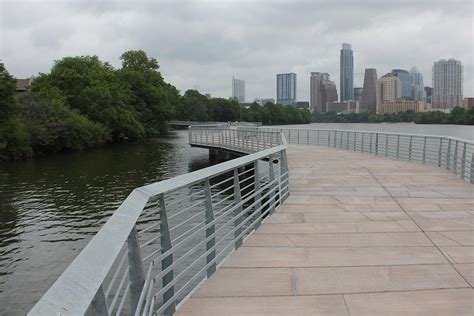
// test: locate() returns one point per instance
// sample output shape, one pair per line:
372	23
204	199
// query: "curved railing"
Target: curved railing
453	154
168	237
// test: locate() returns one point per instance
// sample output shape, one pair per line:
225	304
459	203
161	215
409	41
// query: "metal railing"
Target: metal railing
241	139
453	154
168	237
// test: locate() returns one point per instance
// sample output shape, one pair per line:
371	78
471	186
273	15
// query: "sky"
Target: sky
202	44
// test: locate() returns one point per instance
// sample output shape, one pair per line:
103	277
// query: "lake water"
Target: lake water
50	207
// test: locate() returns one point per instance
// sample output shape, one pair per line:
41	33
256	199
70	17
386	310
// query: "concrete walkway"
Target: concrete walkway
359	235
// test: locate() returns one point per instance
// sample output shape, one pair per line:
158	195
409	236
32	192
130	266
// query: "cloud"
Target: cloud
203	43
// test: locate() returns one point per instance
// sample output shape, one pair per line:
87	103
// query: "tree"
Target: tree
92	87
152	99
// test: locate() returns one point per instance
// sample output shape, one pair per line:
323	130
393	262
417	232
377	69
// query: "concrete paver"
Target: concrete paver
359	235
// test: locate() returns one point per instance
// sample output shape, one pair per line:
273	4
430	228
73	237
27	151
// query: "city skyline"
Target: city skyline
252	45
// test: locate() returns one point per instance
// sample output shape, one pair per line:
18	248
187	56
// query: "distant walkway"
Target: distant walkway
359	235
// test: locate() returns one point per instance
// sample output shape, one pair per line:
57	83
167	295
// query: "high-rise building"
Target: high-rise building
417	85
389	88
428	94
346	73
369	96
238	89
286	88
405	79
322	90
447	84
357	94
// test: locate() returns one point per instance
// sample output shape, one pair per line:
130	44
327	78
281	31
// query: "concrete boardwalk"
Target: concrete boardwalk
359	235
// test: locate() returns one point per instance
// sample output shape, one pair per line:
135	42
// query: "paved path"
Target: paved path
359	235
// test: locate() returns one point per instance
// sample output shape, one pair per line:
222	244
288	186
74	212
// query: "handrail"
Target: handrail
137	261
453	153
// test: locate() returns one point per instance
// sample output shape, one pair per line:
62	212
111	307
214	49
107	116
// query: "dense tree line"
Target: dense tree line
197	107
458	116
84	102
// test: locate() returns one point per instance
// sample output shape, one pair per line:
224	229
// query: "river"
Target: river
51	206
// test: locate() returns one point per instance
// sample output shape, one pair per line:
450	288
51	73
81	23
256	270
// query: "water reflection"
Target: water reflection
52	206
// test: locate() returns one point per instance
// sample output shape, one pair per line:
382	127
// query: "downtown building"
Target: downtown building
447	84
417	85
322	91
395	106
369	94
388	88
346	68
286	88
405	79
238	89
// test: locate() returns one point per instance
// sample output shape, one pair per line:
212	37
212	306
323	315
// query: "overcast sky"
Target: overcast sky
203	43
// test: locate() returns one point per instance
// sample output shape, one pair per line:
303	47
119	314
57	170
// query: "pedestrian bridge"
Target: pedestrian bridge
336	222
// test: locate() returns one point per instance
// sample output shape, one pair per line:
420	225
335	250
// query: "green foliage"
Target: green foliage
54	128
93	88
152	100
457	116
7	93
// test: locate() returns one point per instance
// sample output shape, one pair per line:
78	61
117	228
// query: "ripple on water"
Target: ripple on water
51	207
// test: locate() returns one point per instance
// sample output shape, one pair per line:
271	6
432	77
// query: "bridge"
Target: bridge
306	222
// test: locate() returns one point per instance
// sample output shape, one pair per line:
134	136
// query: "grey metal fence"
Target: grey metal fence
241	139
453	154
168	237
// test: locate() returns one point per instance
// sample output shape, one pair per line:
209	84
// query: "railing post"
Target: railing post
409	148
362	144
271	171
307	137
448	155
347	140
258	195
386	145
317	136
167	261
463	161
398	146
298	136
98	305
471	171
329	138
238	211
377	144
135	272
284	169
370	144
190	135
340	140
289	136
424	151
440	151
355	141
455	158
210	231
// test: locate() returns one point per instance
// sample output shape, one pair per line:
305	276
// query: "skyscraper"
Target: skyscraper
389	88
369	96
357	94
346	73
286	88
417	85
428	94
447	84
405	79
238	89
322	90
